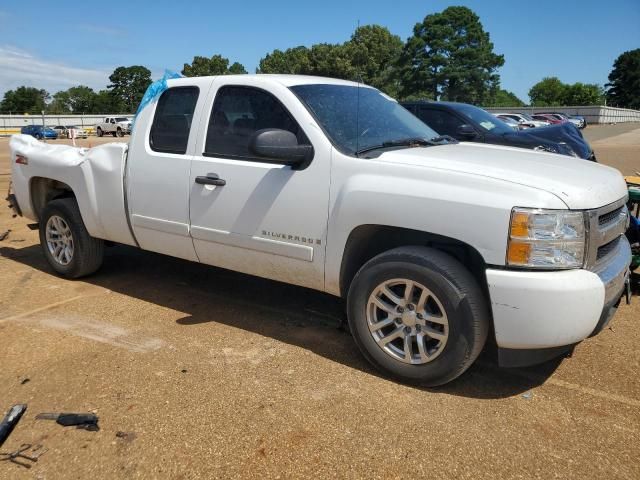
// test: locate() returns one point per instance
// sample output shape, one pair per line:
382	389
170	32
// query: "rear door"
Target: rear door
268	219
158	169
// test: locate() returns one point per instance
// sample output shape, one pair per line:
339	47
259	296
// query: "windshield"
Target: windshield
484	119
122	119
380	120
526	116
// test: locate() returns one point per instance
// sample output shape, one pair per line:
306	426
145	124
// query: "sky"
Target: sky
47	45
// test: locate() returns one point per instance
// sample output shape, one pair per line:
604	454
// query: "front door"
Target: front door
263	218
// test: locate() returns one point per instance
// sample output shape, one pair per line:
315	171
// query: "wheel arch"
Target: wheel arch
367	241
42	190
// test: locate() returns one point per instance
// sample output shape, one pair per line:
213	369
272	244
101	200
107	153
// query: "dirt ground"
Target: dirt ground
197	372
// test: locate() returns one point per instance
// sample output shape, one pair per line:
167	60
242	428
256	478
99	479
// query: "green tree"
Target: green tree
236	69
548	92
504	98
451	56
78	99
106	102
583	94
128	85
370	55
24	100
216	65
294	61
331	60
373	52
624	80
60	103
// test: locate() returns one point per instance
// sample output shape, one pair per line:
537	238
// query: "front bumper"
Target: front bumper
548	312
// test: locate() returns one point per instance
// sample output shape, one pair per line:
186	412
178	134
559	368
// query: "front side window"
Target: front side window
239	112
441	121
172	120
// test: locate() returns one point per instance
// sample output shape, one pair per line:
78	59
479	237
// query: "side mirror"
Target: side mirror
466	132
280	145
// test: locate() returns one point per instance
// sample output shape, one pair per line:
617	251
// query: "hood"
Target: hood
579	184
551	136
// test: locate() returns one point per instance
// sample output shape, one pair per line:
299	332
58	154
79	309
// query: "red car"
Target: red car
552	119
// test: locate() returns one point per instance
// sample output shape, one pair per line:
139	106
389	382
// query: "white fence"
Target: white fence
593	114
10	124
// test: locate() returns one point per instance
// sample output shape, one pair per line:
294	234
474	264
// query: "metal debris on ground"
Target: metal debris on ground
86	421
10	420
26	451
527	395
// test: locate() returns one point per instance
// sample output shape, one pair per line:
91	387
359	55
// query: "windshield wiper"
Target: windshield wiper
405	142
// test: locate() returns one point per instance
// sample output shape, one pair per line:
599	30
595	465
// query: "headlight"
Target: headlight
546	239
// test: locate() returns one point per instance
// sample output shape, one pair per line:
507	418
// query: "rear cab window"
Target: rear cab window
172	120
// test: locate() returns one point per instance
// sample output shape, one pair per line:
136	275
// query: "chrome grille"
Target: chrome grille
605	226
607	248
612	216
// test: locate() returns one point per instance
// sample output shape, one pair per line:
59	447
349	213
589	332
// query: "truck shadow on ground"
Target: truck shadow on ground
289	314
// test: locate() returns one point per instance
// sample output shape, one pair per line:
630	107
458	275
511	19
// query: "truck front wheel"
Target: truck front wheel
66	244
119	132
99	132
418	315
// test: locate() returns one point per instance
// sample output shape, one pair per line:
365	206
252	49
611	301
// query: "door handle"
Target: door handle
211	179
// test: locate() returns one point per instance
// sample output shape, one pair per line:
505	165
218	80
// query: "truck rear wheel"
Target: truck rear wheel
99	132
418	315
66	244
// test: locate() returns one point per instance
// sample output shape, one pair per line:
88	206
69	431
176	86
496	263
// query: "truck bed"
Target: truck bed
94	175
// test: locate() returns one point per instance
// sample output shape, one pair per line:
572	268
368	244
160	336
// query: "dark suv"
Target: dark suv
468	123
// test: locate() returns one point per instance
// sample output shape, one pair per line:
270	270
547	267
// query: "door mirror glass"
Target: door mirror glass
277	144
466	132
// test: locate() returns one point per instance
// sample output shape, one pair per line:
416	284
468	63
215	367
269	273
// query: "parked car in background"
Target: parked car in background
548	118
116	126
577	121
64	131
39	132
468	123
511	122
524	119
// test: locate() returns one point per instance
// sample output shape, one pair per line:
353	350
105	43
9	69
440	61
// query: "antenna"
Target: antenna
359	79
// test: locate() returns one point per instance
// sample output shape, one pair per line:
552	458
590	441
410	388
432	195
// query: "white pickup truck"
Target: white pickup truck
116	126
435	245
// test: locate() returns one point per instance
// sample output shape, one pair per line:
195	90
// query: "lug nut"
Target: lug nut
410	306
419	316
407	330
418	328
398	321
400	309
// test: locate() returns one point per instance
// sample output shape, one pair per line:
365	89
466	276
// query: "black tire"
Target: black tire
458	292
99	132
88	252
119	132
38	136
114	134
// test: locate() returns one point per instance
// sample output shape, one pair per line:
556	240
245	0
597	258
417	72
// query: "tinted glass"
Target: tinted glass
359	118
172	121
483	118
238	112
441	121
